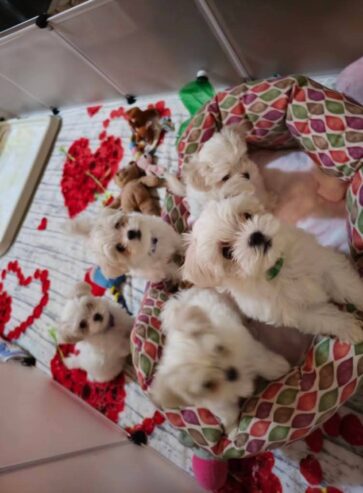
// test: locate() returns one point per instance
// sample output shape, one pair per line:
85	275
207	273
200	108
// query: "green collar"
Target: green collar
274	271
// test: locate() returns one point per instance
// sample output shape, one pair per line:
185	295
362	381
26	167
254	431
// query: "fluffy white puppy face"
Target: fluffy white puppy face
84	315
223	166
119	241
203	364
233	238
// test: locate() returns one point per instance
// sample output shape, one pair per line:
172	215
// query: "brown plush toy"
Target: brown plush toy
136	191
144	125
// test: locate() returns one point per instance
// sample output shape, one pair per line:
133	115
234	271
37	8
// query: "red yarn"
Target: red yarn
332	426
6	300
311	470
43	224
92	110
315	440
83	170
108	397
252	475
351	430
147	424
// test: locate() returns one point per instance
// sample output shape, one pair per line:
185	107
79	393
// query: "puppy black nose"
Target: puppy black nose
257	239
97	317
231	374
134	234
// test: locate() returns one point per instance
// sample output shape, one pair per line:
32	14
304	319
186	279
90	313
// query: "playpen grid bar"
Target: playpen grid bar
25	91
221	36
85	59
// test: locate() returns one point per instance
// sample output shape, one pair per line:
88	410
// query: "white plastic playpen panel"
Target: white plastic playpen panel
103	49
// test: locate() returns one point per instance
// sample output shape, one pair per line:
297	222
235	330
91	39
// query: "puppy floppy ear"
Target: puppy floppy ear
163	394
192	174
193	320
80	226
200	271
79	290
189	318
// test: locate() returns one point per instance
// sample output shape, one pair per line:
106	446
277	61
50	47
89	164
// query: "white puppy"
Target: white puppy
138	244
101	330
277	273
210	359
221	169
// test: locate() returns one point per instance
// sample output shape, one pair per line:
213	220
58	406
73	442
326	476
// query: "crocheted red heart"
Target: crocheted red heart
332	426
43	224
315	440
311	470
5	299
92	110
252	475
108	397
351	430
86	173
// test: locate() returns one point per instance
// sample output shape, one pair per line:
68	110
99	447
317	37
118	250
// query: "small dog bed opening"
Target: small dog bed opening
281	113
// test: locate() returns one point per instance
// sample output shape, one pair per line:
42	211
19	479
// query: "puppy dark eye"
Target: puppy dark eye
227	252
118	225
246	175
97	317
83	325
247	216
120	248
220	348
226	177
209	385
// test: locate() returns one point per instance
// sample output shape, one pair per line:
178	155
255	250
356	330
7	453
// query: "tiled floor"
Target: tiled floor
52	442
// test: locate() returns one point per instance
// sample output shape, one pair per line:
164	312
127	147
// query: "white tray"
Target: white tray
25	145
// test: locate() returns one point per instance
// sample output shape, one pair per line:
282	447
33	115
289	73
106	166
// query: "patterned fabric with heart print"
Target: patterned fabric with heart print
282	113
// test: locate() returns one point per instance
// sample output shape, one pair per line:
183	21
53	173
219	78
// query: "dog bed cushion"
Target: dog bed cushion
282	113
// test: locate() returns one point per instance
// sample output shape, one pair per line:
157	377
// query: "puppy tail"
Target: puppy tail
80	227
80	289
174	185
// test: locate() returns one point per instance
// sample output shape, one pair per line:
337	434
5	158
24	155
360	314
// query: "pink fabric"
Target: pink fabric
350	81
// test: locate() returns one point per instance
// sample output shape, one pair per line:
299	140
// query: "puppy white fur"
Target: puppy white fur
138	244
235	243
221	169
101	330
210	359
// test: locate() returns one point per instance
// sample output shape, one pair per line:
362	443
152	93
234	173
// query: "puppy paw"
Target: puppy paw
352	334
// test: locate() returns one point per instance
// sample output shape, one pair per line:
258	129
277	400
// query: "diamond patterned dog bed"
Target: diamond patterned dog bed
281	113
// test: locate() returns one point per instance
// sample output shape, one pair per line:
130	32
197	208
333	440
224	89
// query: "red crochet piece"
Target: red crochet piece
108	398
6	300
351	430
315	440
252	475
163	111
311	470
96	290
332	426
148	424
43	224
83	169
119	113
92	110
